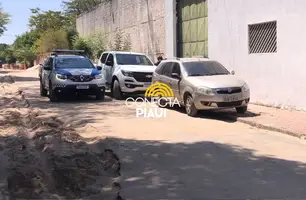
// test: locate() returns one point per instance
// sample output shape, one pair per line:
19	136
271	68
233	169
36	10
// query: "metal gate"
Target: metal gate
192	28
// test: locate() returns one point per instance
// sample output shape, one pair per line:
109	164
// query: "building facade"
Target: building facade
263	41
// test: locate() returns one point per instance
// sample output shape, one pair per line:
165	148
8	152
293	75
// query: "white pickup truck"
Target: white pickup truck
126	72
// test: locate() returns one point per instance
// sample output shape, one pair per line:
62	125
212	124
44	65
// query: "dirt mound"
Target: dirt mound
36	67
43	158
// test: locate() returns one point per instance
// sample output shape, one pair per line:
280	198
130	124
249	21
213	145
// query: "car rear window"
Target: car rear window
73	62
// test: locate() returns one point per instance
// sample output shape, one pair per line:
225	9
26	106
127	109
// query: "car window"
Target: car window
204	68
73	62
133	59
160	68
176	68
167	69
49	63
103	58
110	58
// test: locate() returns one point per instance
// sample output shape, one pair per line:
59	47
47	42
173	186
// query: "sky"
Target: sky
20	13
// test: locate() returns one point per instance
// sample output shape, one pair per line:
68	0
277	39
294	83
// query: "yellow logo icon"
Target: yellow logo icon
159	89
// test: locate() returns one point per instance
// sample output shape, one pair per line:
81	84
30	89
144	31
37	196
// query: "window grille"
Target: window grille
263	37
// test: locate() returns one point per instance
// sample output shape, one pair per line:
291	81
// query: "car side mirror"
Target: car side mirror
109	63
176	76
99	68
233	72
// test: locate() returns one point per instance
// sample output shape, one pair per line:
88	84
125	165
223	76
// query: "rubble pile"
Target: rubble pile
42	158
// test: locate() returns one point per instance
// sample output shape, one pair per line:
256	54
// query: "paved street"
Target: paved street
182	157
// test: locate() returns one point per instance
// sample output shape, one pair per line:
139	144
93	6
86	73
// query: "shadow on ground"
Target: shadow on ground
23	79
205	170
227	115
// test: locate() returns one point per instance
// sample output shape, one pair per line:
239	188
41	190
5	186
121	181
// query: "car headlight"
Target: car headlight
99	76
245	88
126	73
61	76
205	91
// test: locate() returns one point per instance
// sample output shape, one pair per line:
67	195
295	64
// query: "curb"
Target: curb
269	128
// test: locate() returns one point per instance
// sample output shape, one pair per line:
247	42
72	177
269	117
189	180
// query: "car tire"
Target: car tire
242	110
52	95
190	108
100	96
43	91
117	94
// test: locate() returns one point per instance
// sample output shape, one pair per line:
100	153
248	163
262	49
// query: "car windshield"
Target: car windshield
204	68
73	62
133	59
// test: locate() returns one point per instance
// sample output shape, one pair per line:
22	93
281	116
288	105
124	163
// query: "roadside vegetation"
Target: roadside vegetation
57	30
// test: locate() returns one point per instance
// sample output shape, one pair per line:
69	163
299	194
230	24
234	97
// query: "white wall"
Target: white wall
170	28
277	79
143	20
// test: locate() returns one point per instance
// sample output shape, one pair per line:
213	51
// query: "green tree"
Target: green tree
40	21
4	52
46	20
121	42
52	39
93	45
83	43
26	39
4	20
24	47
77	7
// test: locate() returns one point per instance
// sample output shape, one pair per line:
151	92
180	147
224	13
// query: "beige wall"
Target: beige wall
142	19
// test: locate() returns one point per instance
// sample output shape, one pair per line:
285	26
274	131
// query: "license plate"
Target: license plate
82	87
146	84
231	98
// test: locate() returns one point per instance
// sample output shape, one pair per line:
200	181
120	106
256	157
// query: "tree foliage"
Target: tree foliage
41	21
52	39
26	39
78	7
4	52
121	41
4	20
93	45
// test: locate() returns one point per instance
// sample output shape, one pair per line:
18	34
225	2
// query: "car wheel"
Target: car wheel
100	96
242	110
117	94
43	91
190	108
52	95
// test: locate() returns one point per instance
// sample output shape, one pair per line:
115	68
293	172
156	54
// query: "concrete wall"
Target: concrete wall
142	19
277	79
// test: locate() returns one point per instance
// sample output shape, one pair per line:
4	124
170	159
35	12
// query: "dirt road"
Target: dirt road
179	157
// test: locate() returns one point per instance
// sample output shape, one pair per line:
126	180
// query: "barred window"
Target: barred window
263	37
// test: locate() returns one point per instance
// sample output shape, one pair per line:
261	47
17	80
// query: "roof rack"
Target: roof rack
56	52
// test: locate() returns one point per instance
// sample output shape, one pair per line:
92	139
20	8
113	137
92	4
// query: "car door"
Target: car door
46	73
174	82
166	74
109	68
158	73
103	59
